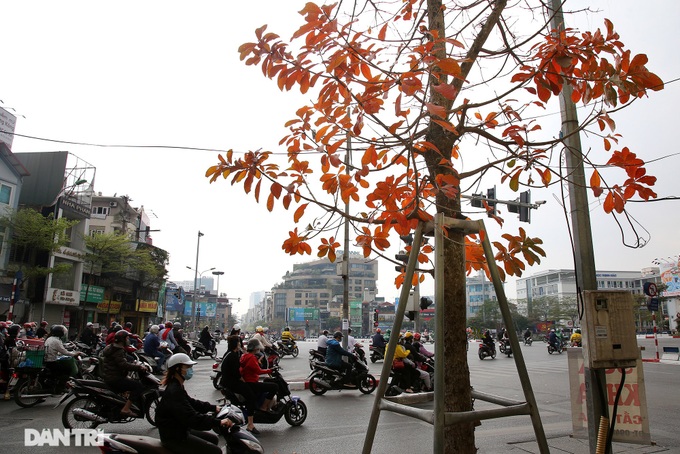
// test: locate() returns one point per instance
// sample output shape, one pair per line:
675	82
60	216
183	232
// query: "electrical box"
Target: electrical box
413	300
609	339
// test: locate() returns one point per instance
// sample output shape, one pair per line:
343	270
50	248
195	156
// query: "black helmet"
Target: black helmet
120	335
177	325
58	331
286	328
128	325
337	334
349	330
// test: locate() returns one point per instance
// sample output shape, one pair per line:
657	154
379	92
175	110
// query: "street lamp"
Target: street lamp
218	274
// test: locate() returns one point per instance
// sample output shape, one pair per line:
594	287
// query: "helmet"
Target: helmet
58	331
259	329
325	332
154	329
253	344
27	325
578	331
117	328
43	323
237	327
180	358
388	331
89	324
128	325
337	334
377	330
177	325
552	330
349	330
168	324
287	328
408	335
120	335
416	336
3	325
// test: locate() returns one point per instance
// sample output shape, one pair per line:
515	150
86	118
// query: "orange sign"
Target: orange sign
104	307
147	306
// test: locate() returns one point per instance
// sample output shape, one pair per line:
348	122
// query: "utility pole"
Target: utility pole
583	241
345	254
195	295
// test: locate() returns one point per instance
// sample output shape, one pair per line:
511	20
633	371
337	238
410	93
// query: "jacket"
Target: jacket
378	340
335	353
167	335
114	364
88	337
250	368
177	413
151	344
231	373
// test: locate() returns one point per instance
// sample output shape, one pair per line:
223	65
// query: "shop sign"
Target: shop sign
95	294
147	306
63	297
104	307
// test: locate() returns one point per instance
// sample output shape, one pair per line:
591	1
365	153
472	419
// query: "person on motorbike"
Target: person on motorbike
415	356
181	420
334	356
135	341
206	338
379	342
41	332
167	335
88	337
57	359
287	338
181	343
4	354
576	338
115	327
250	371
322	343
420	348
488	340
554	340
115	368
260	336
236	331
388	332
527	334
28	331
152	345
233	381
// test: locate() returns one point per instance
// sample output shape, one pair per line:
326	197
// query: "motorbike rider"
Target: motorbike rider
232	380
334	356
151	347
417	358
322	342
29	333
251	371
88	337
236	331
41	332
181	420
576	338
115	368
166	335
115	327
260	336
206	338
182	345
420	348
388	332
488	340
57	359
554	340
527	334
379	341
287	338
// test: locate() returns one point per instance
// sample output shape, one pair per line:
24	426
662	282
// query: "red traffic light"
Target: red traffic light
375	324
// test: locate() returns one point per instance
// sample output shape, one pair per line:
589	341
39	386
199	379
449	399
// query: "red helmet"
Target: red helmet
377	330
120	335
43	323
416	336
168	324
27	325
3	325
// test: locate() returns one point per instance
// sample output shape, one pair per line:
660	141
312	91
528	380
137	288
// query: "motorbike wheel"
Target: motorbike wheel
194	354
481	354
295	352
367	384
315	388
295	413
24	388
373	359
72	421
493	355
150	411
550	350
216	380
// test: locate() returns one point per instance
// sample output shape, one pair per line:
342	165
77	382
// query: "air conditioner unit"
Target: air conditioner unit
113	204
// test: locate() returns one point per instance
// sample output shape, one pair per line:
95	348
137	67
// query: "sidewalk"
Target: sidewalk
567	444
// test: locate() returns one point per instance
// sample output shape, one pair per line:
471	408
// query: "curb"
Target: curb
302	385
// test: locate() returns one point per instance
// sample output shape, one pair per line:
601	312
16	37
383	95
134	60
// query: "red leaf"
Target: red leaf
436	110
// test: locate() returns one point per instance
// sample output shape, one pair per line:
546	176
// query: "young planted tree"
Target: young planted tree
433	96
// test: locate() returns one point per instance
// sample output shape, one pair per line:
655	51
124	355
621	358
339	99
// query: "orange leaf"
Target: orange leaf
449	66
436	110
382	32
299	212
595	184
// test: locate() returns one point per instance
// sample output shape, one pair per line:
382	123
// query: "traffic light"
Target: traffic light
425	302
525	210
408	239
402	257
375	315
491	194
411	315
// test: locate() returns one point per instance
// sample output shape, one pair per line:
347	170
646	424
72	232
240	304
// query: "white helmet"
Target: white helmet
180	358
237	327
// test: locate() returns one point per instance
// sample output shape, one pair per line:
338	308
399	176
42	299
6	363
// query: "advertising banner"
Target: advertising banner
632	423
174	300
301	314
204	309
95	294
147	306
670	275
104	307
63	297
7	124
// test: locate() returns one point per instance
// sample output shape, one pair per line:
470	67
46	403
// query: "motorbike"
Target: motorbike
377	353
553	348
505	347
270	358
198	350
399	380
216	373
292	408
528	341
359	351
238	441
95	403
217	337
315	357
486	351
324	378
287	349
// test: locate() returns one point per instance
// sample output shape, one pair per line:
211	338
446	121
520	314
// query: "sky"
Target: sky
167	73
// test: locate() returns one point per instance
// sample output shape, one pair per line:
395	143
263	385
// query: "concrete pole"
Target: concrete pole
583	241
195	295
345	254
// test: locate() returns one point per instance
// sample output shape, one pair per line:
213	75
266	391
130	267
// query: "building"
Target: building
478	289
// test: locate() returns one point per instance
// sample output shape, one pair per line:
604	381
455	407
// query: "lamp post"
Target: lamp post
218	274
198	277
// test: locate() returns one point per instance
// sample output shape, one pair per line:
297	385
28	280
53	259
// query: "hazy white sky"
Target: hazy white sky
168	73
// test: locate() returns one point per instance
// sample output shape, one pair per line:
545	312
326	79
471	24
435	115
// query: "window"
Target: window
5	194
66	278
97	231
100	210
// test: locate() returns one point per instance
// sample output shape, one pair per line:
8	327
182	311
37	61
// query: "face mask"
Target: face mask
189	373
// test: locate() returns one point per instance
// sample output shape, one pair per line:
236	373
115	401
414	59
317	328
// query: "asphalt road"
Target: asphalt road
337	421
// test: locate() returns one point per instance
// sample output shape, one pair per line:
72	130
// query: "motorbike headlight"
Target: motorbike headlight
252	446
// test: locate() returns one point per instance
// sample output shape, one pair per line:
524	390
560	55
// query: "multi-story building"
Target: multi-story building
478	289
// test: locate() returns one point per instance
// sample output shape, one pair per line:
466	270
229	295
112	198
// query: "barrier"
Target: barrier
671	353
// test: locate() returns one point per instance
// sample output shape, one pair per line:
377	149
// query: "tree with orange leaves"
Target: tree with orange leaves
414	87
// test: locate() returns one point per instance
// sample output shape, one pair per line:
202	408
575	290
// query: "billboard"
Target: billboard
301	314
7	124
203	309
95	293
670	276
174	299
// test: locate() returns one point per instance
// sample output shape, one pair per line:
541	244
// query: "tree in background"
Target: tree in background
432	97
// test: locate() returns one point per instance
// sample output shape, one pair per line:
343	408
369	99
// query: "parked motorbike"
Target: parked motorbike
486	351
198	350
315	357
95	403
287	349
377	353
238	441
324	378
292	408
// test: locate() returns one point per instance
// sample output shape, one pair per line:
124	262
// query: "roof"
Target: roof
13	161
